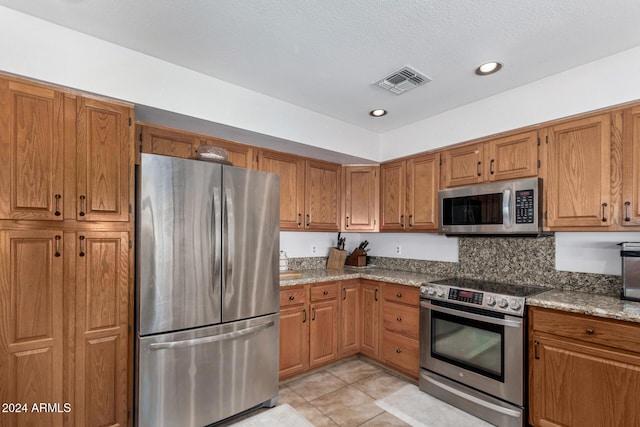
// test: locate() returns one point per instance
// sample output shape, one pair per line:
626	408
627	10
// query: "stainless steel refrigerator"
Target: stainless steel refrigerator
207	294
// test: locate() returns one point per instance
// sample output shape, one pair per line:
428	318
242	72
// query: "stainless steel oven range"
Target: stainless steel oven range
472	347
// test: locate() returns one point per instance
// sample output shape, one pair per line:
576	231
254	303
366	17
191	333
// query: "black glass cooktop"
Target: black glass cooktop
492	287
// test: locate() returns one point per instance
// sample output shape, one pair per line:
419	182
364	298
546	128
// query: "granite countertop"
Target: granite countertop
611	307
391	276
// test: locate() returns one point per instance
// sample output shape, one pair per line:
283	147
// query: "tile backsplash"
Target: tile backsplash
522	260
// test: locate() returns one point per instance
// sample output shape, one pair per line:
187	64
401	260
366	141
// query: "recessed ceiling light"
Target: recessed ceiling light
488	68
378	112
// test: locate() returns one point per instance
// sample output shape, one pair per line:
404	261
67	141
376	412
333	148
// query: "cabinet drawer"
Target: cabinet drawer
589	329
292	296
403	294
401	319
401	352
324	292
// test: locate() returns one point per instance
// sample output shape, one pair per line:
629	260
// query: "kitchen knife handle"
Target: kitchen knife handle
57	212
604	218
627	218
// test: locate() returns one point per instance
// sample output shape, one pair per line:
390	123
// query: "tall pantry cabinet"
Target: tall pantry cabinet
66	263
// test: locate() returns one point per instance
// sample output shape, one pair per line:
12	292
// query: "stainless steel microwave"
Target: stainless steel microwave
508	207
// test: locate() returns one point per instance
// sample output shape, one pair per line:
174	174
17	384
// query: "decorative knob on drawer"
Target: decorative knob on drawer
399	295
325	293
291	298
590	331
398	350
399	319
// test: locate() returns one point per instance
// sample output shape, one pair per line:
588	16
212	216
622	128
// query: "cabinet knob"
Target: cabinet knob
398	350
590	331
399	319
291	298
399	295
325	293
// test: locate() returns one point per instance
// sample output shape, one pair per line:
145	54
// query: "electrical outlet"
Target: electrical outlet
313	249
398	250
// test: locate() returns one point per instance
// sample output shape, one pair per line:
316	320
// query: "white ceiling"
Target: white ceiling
324	55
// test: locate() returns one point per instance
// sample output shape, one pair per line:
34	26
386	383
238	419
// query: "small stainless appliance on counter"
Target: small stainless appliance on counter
472	347
207	291
630	254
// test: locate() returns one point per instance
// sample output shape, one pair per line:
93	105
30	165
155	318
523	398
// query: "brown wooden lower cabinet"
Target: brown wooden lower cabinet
325	322
583	371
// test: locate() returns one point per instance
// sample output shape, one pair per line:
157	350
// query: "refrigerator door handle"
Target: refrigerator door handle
210	339
215	218
228	232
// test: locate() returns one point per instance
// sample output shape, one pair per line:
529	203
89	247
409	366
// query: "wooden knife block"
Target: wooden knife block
358	258
336	259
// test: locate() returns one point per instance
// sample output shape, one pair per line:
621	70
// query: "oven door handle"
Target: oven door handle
465	396
466	315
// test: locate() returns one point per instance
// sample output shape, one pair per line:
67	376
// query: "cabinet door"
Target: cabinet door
370	307
514	156
423	182
291	171
240	155
575	384
31	152
631	168
168	142
462	166
101	338
294	341
392	195
31	324
349	319
361	198
579	183
104	160
322	195
323	333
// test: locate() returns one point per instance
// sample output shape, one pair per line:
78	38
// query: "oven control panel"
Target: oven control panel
469	297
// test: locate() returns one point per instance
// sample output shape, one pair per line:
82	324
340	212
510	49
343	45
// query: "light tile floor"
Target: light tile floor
342	394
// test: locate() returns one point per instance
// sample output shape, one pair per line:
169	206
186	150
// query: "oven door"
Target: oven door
475	347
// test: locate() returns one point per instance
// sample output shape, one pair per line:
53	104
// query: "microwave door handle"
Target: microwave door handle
506	209
466	315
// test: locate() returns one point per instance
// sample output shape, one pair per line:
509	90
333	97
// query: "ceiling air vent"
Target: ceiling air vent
403	80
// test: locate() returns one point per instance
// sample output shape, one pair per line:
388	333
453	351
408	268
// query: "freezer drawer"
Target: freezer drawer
198	377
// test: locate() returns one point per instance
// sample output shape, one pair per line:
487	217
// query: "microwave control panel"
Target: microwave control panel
524	207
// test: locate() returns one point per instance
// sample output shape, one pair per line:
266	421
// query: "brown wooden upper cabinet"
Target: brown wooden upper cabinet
578	181
177	143
409	194
631	168
323	184
361	198
309	190
509	157
64	156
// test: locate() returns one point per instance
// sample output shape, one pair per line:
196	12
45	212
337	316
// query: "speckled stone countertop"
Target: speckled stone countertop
391	276
610	307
